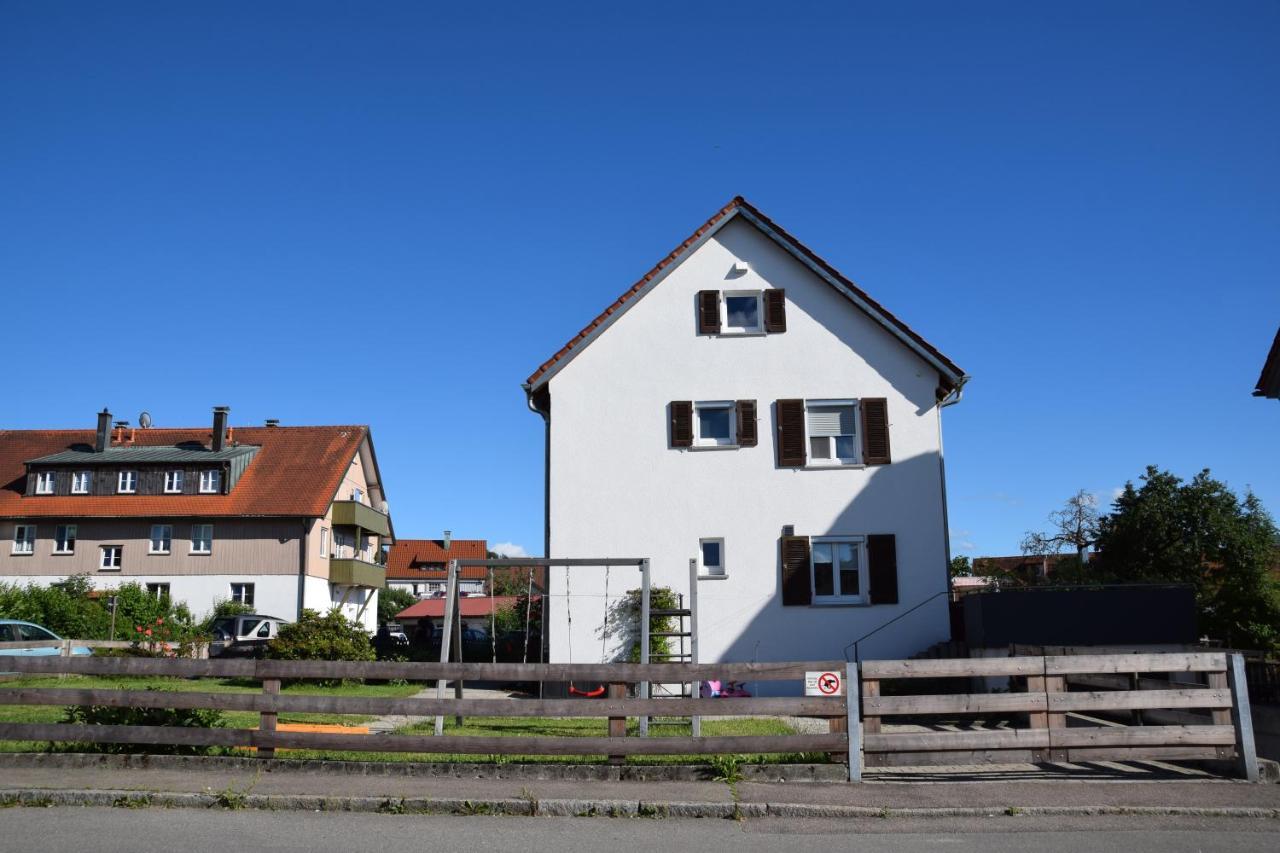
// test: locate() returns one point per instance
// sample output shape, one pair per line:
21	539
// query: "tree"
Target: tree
1199	533
1075	526
961	568
391	601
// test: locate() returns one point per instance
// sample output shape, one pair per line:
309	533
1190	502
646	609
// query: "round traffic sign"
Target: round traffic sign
829	683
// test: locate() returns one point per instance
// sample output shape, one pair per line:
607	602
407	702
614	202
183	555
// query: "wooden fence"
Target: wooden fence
1040	720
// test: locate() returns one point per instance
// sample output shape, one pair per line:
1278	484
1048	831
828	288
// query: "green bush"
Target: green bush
96	715
316	637
65	608
392	601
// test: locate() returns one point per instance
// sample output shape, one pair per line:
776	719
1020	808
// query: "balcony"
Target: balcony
348	572
361	515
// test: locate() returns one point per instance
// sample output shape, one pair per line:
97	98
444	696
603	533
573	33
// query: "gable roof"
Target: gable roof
433	608
405	554
951	374
296	473
1269	379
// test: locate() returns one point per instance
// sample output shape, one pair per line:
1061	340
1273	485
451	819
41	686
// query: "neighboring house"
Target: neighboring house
1025	567
1269	379
278	518
747	406
476	614
418	565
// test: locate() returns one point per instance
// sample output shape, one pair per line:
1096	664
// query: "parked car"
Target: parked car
390	640
15	631
243	636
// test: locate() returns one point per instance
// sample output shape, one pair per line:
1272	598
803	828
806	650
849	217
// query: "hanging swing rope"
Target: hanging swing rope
568	603
528	615
493	618
604	630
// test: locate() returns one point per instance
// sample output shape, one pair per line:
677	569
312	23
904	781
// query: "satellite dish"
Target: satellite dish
144	420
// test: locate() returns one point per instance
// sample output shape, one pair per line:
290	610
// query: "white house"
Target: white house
747	405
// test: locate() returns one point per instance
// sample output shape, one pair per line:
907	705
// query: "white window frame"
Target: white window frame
324	542
112	566
698	440
243	587
173	481
834	461
165	538
195	539
133	483
160	590
46	482
64	539
864	580
704	571
725	328
81	482
211	481
24	539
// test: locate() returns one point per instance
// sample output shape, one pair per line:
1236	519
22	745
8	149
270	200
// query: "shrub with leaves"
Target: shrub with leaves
97	715
315	637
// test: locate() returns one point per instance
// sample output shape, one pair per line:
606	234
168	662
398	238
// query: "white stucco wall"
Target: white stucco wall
617	490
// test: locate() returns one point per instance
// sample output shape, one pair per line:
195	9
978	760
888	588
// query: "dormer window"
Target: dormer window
44	482
127	482
210	482
80	482
173	482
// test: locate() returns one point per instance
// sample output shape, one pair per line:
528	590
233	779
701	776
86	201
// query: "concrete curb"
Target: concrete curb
531	807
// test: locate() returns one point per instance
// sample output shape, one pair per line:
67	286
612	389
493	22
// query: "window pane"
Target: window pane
830	420
711	555
848	553
823	570
742	312
820	448
844	447
715	424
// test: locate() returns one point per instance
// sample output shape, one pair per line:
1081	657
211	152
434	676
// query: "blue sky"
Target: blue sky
391	213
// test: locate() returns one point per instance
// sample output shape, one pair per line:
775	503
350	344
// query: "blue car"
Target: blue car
15	631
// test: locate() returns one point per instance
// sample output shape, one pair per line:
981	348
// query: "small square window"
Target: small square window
24	539
743	312
711	558
161	538
127	482
242	593
201	538
715	424
80	481
64	539
112	558
210	481
173	482
45	482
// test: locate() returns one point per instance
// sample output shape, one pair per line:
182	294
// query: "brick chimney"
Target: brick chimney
220	414
103	438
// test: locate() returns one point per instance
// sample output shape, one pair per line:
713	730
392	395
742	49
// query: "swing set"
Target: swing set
451	637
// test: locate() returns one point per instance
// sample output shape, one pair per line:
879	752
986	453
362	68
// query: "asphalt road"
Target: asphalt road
34	830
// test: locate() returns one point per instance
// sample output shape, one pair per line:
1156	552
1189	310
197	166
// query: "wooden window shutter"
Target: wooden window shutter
882	568
747	433
708	312
791	438
875	431
775	311
681	423
797	589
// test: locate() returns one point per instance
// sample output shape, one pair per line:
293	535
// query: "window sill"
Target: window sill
842	466
62	553
709	577
846	603
199	553
109	570
159	553
714	447
22	553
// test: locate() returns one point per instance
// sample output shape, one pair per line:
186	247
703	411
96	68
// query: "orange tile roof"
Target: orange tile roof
406	555
738	203
296	473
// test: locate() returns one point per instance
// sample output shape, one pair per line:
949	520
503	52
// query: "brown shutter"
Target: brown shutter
875	431
791	439
681	423
882	568
775	311
747	435
796	587
708	312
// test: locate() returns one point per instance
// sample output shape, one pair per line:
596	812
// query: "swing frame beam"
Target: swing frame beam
451	636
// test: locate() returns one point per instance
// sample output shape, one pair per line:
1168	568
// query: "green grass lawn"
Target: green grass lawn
513	727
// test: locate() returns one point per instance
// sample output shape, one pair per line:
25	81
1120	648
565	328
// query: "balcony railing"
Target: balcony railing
351	572
361	515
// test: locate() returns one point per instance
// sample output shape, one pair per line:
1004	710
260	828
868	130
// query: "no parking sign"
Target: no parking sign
823	684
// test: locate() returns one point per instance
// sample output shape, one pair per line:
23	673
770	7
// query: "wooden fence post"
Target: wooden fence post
870	723
267	719
1242	716
853	720
617	725
1222	716
1039	719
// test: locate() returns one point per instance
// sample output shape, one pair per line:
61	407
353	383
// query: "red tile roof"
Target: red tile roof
738	203
433	608
296	473
407	556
